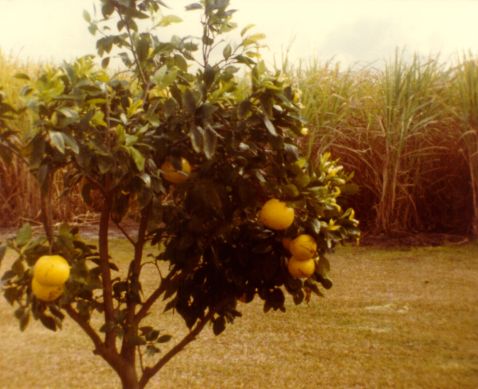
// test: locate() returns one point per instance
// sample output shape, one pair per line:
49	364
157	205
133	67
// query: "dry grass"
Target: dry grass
395	318
408	131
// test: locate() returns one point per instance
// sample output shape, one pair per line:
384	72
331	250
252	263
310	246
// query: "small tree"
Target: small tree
112	134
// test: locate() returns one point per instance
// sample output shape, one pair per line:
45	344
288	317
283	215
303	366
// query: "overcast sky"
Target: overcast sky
355	31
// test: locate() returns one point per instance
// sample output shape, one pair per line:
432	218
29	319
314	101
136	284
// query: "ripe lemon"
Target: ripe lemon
45	292
303	247
276	215
304	131
301	269
173	175
51	270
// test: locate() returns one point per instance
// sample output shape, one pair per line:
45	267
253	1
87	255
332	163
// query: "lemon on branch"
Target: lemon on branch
173	175
51	270
303	247
301	269
45	292
276	215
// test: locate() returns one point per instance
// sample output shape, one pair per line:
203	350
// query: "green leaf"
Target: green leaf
247	28
227	51
24	235
93	28
270	127
169	19
209	76
322	271
56	312
125	59
193	6
146	329
57	141
105	62
86	16
136	340
22	76
24	320
10	294
138	158
181	62
210	143
170	106
290	191
134	13
152	335
7	276
244	108
18	267
71	143
323	267
164	338
68	113
253	39
312	286
196	134
326	283
298	297
152	350
49	322
142	48
189	102
219	325
315	226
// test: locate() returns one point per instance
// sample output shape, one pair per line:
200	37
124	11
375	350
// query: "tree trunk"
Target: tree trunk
129	378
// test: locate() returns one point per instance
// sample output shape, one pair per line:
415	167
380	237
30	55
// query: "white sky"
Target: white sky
355	31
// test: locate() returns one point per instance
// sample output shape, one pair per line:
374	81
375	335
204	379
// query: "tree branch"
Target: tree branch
108	354
152	299
125	233
106	274
151	371
133	51
85	326
127	349
45	204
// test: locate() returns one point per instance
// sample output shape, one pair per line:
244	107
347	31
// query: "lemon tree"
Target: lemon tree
198	142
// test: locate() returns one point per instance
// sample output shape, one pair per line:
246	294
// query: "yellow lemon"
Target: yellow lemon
276	215
51	270
46	293
303	247
304	131
173	175
301	269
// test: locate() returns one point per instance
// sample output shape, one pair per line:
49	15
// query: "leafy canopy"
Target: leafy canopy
200	98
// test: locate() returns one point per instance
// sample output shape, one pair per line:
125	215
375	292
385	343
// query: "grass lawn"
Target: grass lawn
394	318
